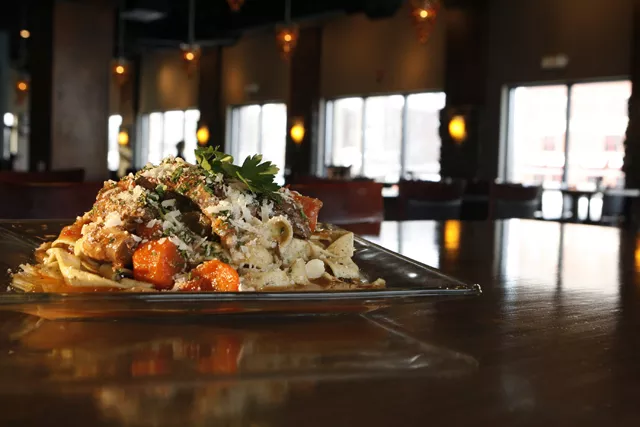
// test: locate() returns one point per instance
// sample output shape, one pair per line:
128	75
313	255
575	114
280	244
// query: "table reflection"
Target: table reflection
206	370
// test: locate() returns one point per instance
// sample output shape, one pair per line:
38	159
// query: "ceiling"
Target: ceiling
215	23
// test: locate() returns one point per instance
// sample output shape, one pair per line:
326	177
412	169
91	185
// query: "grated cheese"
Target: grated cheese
152	223
179	243
113	220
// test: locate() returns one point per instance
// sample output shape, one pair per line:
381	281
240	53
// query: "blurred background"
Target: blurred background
383	95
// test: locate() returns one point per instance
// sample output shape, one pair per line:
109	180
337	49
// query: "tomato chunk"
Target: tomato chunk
213	275
73	231
311	207
156	262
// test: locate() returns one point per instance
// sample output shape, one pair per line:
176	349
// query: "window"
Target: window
538	123
113	156
593	134
422	157
161	133
385	137
260	129
613	143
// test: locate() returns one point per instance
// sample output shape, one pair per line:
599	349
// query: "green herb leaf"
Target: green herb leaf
160	189
257	175
175	176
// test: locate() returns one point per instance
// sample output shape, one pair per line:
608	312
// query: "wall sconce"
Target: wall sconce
297	131
123	137
452	235
203	135
458	128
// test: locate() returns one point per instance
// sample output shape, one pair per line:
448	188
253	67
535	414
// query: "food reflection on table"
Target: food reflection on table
74	351
136	370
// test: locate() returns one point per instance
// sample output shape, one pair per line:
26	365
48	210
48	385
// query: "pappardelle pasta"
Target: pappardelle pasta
213	226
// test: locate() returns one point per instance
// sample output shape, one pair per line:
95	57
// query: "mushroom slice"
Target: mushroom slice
281	230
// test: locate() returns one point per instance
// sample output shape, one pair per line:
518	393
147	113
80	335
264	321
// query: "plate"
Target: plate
407	281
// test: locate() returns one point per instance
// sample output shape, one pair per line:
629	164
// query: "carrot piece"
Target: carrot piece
149	233
156	262
196	284
310	206
213	275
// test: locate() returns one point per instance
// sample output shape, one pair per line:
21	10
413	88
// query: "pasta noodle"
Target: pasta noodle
212	226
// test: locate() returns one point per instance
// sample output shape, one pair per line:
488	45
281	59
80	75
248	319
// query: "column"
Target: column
465	84
304	102
631	165
5	87
70	64
212	114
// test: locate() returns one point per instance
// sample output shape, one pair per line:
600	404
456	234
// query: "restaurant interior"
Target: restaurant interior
491	140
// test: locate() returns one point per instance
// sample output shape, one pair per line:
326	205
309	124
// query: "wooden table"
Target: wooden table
553	340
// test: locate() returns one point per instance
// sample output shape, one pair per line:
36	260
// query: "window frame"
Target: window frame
507	119
326	158
142	146
233	129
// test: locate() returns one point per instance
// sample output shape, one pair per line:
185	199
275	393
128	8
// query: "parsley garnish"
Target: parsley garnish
176	175
160	189
257	175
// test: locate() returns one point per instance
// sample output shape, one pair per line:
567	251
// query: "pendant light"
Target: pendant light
191	50
424	14
287	34
23	84
120	65
235	5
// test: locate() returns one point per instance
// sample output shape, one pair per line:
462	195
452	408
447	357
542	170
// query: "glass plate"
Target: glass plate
407	281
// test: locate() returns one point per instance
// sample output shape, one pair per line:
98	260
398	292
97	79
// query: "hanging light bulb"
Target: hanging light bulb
191	56
235	5
22	86
287	34
22	89
191	50
287	39
424	14
120	70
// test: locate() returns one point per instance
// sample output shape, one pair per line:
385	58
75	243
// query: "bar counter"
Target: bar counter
553	340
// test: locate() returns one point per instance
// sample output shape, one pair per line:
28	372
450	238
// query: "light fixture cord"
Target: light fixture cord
121	31
192	23
23	41
287	11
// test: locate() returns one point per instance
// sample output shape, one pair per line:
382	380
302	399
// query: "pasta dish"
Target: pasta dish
212	226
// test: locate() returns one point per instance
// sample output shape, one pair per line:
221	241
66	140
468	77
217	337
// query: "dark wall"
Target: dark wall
596	35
